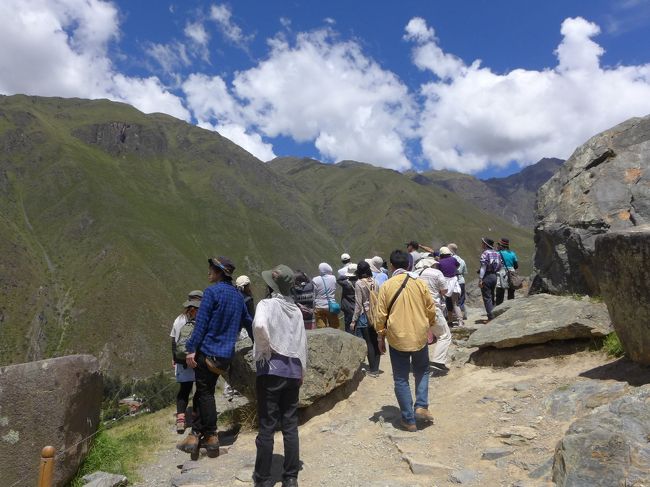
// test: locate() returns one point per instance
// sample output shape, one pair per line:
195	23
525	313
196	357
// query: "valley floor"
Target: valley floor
358	443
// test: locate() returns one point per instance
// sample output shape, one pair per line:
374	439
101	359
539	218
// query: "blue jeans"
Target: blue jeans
402	363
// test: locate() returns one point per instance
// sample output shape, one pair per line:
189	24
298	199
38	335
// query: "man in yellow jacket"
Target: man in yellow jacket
405	311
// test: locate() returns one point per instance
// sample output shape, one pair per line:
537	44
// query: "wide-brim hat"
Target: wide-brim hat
426	262
488	241
224	264
351	270
192	303
196	294
373	267
280	279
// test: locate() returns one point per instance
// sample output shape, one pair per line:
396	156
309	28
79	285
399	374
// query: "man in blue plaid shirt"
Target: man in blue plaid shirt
210	350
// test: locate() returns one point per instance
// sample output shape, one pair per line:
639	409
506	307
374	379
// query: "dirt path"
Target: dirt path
357	444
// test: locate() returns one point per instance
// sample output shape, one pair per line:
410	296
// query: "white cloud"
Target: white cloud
60	48
473	118
196	31
328	92
222	15
216	109
170	56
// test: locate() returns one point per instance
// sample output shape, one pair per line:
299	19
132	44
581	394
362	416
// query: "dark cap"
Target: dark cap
223	263
504	242
413	244
488	241
280	279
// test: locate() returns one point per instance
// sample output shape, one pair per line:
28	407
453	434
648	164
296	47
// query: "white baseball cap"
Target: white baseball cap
242	281
345	257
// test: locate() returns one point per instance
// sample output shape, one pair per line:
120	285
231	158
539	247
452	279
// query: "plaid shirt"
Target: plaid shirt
490	262
221	316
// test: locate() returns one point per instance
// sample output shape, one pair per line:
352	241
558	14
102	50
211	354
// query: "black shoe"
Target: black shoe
439	366
290	482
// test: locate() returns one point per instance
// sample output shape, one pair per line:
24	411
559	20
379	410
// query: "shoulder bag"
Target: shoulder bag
332	306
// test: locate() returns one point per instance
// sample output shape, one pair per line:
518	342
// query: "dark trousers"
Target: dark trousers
277	402
206	422
347	317
461	300
183	396
487	291
501	292
370	336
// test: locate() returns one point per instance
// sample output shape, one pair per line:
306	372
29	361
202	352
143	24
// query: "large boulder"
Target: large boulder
624	272
541	318
333	359
51	402
608	447
603	187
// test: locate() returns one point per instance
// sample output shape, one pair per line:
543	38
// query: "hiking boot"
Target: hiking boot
211	445
180	423
190	444
290	482
408	426
423	414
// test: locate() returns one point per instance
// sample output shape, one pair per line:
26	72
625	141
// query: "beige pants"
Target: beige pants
442	333
324	318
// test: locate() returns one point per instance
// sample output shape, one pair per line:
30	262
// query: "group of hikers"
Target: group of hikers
402	307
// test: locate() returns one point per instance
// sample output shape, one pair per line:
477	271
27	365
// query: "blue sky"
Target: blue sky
483	87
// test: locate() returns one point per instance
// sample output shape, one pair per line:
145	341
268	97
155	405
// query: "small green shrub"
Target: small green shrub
612	345
106	454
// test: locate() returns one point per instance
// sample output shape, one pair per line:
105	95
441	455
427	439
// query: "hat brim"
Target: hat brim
486	243
218	265
268	279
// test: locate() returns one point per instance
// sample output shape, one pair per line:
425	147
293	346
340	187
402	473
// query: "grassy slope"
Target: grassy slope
113	243
371	210
101	240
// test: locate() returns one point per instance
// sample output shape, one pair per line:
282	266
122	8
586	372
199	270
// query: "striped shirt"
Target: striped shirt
490	262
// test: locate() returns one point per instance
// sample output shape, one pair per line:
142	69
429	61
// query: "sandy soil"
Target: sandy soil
359	443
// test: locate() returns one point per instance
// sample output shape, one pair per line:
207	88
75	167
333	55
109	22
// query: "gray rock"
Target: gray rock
51	402
583	396
624	287
103	479
521	387
541	318
609	446
601	188
496	453
333	359
463	476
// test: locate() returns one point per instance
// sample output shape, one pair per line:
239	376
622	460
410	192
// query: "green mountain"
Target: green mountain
107	217
370	210
511	198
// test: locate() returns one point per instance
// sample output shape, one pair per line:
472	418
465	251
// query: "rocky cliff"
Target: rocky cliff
603	187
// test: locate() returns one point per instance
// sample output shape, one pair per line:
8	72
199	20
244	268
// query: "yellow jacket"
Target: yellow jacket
411	315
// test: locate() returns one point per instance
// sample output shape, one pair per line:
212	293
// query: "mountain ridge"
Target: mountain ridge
107	217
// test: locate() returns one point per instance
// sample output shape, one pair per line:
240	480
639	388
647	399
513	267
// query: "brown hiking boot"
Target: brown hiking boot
211	445
408	426
180	423
190	444
423	414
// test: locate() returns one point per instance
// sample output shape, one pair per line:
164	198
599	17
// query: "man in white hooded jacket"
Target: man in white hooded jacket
280	352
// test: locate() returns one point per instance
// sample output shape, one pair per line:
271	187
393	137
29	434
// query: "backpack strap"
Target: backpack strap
392	301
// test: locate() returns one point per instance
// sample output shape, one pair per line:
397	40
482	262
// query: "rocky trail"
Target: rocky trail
493	427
